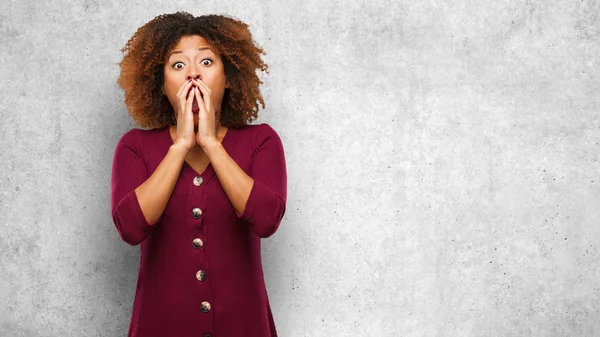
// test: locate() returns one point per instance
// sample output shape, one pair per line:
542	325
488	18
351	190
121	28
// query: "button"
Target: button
197	243
205	306
201	275
196	213
198	180
207	335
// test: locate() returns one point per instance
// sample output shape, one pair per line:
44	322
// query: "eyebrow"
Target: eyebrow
199	49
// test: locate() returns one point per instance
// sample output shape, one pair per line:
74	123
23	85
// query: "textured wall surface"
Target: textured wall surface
442	165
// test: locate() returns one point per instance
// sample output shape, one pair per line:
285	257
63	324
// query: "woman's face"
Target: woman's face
194	57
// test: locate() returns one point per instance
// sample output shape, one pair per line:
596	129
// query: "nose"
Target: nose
193	72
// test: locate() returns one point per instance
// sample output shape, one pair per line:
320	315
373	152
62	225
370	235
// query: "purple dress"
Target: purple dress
200	264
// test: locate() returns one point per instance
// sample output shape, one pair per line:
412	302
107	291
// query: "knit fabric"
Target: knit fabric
170	299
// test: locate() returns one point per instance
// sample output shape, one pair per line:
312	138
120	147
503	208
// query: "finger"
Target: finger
203	85
201	103
207	94
183	97
189	90
183	87
188	103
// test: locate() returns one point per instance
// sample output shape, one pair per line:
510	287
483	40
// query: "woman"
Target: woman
200	187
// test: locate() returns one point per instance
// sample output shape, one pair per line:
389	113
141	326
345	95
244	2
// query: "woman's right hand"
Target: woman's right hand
185	136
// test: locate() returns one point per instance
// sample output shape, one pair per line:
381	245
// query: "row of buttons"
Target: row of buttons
201	274
197	244
197	212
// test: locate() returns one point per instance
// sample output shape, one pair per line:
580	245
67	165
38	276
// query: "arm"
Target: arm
259	197
138	201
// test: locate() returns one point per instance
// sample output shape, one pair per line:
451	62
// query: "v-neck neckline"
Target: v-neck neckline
208	171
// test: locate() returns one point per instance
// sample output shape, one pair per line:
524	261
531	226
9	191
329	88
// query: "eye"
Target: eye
207	62
178	63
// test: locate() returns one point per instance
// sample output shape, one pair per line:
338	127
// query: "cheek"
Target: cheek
216	83
171	84
171	90
215	77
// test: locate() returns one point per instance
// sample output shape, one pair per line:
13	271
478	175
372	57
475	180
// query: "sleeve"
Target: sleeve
266	203
129	172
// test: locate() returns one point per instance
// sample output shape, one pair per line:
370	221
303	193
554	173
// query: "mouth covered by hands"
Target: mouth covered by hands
194	102
207	132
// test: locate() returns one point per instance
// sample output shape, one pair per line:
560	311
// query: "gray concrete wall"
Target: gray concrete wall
442	161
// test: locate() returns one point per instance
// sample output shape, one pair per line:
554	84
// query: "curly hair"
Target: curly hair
144	56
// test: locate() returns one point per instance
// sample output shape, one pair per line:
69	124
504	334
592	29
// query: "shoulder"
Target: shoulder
262	128
257	134
258	131
134	138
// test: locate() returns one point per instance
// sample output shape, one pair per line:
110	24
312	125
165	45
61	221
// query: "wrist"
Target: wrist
211	146
179	149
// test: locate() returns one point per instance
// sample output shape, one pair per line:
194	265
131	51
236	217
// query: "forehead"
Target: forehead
191	43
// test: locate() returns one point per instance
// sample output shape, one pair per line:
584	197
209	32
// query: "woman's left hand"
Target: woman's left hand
207	126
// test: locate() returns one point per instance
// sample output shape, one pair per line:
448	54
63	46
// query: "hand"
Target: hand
185	118
207	127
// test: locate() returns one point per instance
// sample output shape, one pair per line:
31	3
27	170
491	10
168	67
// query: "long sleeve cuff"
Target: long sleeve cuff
129	220
264	210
